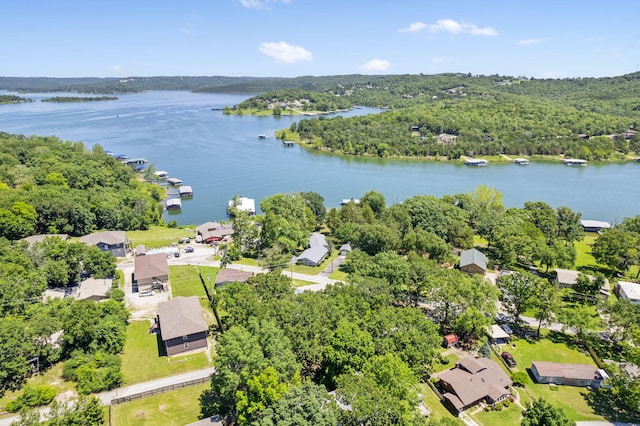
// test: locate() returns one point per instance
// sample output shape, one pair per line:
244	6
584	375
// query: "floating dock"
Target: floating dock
574	162
476	162
174	181
185	191
174	204
522	161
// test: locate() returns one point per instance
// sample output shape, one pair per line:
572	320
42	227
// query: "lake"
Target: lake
221	156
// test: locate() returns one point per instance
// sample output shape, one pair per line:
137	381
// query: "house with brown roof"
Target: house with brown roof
113	241
151	270
568	374
182	325
226	276
210	232
474	380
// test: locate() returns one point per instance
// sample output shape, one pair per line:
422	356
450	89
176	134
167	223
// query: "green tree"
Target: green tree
519	292
375	201
347	352
617	248
542	413
304	405
546	304
582	320
261	391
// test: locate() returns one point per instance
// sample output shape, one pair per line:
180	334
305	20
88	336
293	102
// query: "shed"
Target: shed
345	249
497	335
449	340
473	261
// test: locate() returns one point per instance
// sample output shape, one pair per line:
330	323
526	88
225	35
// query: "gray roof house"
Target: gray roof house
182	324
228	275
473	261
113	241
41	237
94	289
150	270
317	251
568	374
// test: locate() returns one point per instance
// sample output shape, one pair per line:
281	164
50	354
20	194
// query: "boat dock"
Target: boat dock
476	162
174	181
288	144
574	162
185	191
522	161
174	204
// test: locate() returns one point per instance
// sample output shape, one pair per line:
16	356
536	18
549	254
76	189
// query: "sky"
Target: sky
289	38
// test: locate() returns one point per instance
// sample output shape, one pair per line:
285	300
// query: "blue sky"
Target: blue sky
288	38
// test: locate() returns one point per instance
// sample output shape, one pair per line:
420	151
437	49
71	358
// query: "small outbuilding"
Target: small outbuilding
450	340
345	249
497	335
568	374
473	261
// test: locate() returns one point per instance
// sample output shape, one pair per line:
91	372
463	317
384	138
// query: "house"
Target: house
497	335
449	340
568	374
41	237
474	380
151	270
210	232
566	278
594	225
232	275
345	249
473	261
317	251
628	291
182	325
113	241
94	289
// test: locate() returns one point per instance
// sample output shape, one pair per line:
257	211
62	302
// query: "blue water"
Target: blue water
221	156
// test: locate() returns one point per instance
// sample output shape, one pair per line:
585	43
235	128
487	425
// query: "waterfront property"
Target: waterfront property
182	324
476	162
473	261
474	380
134	161
574	162
174	204
113	241
522	161
151	271
211	232
185	191
244	204
594	225
568	374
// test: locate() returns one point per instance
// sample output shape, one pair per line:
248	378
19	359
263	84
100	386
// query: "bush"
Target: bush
93	372
520	379
32	396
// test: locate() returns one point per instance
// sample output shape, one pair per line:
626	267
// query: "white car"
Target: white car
146	293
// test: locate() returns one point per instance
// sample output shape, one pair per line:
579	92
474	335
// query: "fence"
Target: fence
169	388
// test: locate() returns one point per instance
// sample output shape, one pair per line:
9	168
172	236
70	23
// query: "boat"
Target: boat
161	174
262	136
174	204
288	144
522	161
174	181
476	162
574	162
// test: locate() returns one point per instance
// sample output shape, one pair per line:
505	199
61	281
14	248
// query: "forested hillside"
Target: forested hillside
50	186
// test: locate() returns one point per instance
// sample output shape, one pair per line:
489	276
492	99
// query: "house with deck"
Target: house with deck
113	241
182	325
151	271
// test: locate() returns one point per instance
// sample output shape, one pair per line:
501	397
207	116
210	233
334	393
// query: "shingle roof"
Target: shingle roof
150	266
314	254
207	226
107	237
473	257
181	316
40	238
568	371
488	380
316	239
567	276
231	275
94	287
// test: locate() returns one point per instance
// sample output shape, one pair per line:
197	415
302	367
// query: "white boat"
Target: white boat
522	161
262	136
574	162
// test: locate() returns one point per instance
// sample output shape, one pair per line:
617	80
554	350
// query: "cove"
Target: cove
221	156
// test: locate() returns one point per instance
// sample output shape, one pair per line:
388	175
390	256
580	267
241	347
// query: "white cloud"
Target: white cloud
376	65
454	27
259	4
414	27
529	42
285	52
117	69
438	60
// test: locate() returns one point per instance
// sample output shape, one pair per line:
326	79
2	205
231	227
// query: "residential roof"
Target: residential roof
473	257
40	238
218	233
245	204
207	226
496	332
317	239
567	371
141	249
451	338
111	238
150	266
185	189
92	287
314	254
345	247
473	379
629	290
181	316
567	276
232	275
587	223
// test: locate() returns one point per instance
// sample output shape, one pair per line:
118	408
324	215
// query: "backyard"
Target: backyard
143	360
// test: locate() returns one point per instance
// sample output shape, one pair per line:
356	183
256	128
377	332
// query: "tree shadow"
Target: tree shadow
602	403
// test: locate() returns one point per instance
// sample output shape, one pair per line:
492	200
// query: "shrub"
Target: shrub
520	379
32	396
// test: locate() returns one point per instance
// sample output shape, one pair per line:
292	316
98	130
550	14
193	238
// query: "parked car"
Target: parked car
176	254
507	329
189	249
184	240
508	358
146	293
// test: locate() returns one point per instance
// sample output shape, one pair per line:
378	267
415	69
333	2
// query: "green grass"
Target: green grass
142	361
507	416
339	275
178	408
301	283
431	400
478	241
247	261
51	377
438	366
158	236
186	282
583	250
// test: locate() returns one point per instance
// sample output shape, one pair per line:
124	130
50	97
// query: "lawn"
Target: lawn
507	416
186	282
451	358
51	377
431	400
142	360
339	275
583	250
178	408
158	236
